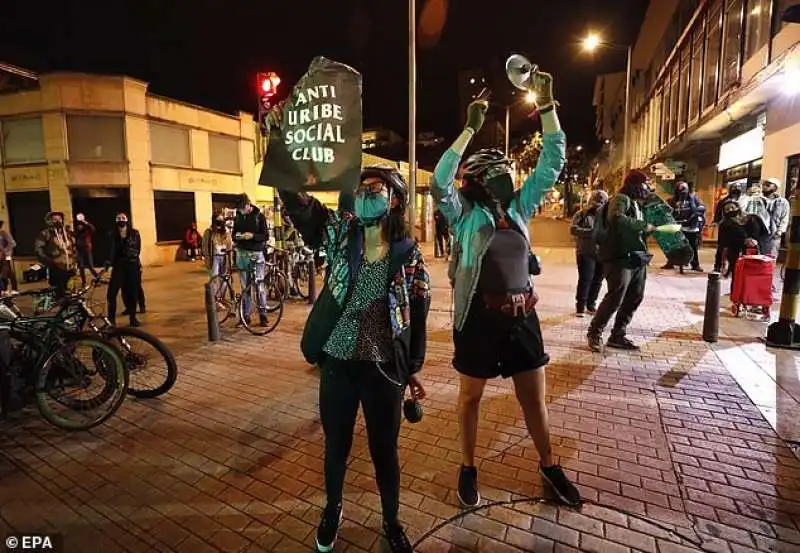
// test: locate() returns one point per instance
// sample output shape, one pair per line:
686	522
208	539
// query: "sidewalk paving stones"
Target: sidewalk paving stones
669	451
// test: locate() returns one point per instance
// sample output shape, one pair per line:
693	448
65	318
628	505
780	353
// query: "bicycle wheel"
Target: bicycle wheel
224	297
277	288
301	276
266	321
68	369
152	369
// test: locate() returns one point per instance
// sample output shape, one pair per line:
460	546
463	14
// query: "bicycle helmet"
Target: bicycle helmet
485	164
391	177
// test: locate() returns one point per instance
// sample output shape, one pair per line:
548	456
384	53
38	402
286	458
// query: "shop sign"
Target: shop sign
745	148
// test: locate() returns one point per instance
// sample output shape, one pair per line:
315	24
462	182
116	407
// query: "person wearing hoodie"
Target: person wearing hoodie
590	269
250	236
625	259
55	249
84	231
126	269
496	330
757	204
734	195
689	213
779	213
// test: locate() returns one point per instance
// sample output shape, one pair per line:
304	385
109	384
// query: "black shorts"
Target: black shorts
492	344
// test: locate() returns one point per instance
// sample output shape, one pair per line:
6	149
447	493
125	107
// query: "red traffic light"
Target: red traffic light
268	83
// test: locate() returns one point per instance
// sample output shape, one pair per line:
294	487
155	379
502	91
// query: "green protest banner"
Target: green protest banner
318	143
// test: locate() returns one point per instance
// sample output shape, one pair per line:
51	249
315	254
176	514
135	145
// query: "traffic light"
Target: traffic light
267	88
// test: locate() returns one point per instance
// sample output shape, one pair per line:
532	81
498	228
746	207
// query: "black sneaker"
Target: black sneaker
621	342
698	269
262	320
396	536
328	528
595	342
468	493
561	485
579	311
591	310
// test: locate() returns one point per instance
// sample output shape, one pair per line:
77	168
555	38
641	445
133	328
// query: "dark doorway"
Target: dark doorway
100	207
26	212
221	201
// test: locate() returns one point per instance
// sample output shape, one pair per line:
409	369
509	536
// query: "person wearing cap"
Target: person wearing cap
126	246
779	212
84	231
689	212
250	236
590	269
496	330
625	259
55	249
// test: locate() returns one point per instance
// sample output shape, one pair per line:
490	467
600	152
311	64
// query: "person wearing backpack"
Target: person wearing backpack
590	269
623	251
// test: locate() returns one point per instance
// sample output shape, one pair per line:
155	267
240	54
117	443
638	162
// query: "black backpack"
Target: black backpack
600	228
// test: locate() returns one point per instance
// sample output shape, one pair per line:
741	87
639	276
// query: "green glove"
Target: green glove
476	113
543	87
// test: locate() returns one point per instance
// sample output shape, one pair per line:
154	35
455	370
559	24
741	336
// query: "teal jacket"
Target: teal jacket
473	225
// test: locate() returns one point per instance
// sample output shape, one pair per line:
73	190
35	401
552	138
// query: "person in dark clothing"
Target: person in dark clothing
734	194
140	297
442	234
625	259
55	249
590	270
126	245
84	230
7	273
689	212
250	235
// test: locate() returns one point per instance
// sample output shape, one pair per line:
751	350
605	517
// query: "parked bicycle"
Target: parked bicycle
151	365
43	359
297	264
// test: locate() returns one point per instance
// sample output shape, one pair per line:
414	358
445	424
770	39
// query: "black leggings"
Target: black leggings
343	385
124	277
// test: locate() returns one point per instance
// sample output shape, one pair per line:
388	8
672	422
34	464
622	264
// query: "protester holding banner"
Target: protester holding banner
366	330
496	329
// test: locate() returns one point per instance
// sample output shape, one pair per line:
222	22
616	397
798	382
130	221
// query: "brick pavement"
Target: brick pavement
664	443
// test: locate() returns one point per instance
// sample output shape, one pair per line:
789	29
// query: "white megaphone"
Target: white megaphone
520	71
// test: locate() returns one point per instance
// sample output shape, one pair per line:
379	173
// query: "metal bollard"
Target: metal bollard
211	315
785	332
711	314
312	282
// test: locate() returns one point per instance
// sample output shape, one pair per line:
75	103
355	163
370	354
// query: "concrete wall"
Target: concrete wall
782	136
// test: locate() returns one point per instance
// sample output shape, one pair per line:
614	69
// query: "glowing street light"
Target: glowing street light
591	42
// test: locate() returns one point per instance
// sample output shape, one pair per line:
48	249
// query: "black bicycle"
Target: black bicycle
46	362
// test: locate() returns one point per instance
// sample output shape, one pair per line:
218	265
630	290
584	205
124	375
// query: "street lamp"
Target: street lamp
591	43
530	98
412	115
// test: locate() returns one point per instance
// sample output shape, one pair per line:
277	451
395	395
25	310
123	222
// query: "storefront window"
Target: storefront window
759	20
683	94
696	81
731	44
713	43
673	106
96	137
23	140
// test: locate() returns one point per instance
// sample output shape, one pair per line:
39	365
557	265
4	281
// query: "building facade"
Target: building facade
715	96
99	145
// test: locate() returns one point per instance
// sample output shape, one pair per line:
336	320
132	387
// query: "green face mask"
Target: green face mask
371	208
501	188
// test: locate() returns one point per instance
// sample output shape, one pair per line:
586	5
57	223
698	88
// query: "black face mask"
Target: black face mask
122	224
501	188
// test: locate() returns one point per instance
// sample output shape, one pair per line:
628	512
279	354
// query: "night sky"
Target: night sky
208	51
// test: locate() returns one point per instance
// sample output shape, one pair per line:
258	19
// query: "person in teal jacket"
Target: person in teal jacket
496	330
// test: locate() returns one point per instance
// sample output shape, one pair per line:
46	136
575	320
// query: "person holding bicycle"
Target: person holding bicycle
250	234
366	331
217	245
